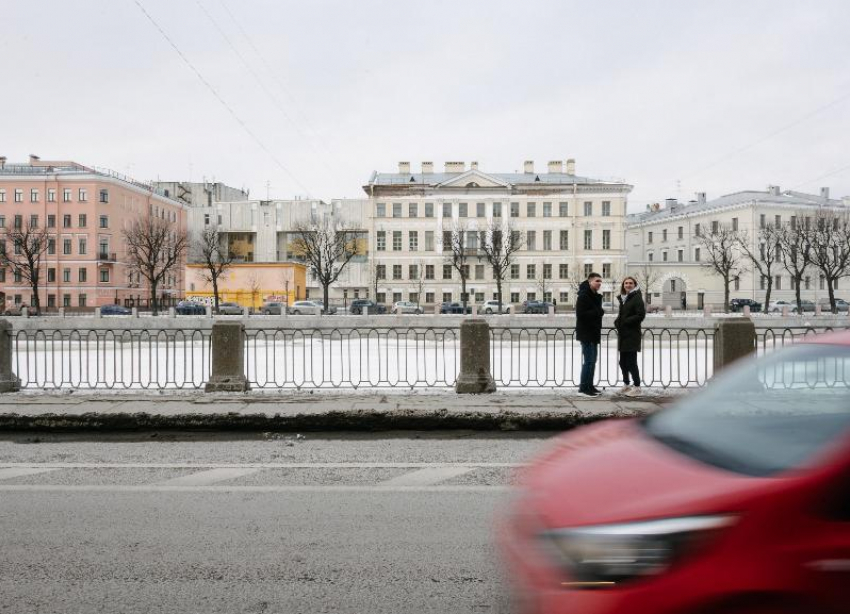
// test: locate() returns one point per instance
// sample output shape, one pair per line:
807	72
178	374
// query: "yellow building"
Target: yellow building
249	284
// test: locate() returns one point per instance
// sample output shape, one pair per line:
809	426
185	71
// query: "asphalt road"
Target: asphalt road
396	524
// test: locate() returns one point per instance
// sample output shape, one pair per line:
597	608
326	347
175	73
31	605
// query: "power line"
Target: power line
221	100
824	176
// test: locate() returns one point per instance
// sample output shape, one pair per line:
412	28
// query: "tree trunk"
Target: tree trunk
726	295
797	293
153	298
215	291
37	304
326	288
830	286
463	297
767	294
499	293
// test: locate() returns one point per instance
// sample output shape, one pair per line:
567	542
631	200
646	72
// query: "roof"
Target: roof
788	198
434	179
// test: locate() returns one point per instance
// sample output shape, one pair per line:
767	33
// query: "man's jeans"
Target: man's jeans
588	365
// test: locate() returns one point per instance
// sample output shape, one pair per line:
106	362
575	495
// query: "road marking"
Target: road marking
255	465
211	476
161	488
16	472
428	476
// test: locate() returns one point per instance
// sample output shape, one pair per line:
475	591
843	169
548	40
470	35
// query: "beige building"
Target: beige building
570	225
664	240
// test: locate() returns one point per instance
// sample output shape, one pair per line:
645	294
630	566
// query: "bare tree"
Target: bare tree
829	247
29	244
458	254
795	254
154	251
209	250
254	284
647	277
723	257
544	284
419	282
766	258
500	243
377	273
327	245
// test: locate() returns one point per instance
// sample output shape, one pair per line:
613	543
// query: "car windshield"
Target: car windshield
766	417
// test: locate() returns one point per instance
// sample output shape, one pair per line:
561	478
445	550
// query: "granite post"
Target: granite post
475	376
228	358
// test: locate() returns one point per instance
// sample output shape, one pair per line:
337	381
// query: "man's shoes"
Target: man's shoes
625	389
589	393
634	392
596	391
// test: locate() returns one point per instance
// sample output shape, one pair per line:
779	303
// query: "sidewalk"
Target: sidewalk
321	410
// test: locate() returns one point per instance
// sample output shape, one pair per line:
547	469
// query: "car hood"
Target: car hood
613	472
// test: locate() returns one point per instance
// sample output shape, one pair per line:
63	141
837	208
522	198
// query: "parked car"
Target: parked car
115	310
455	308
15	310
272	308
491	307
402	307
734	500
331	310
305	308
776	306
359	304
537	307
190	308
841	305
737	305
230	309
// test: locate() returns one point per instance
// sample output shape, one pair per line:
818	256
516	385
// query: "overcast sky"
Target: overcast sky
312	96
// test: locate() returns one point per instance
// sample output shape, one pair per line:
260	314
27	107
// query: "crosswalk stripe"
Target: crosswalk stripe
17	472
205	478
427	477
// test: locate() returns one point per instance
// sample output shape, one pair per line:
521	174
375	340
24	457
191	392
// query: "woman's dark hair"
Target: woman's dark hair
623	285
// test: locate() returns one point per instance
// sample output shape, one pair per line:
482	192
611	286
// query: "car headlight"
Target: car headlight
605	555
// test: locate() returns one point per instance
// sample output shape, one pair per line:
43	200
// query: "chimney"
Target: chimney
824	193
404	168
773	190
455	167
701	198
2	161
571	166
34	159
671	204
473	166
427	168
556	166
528	166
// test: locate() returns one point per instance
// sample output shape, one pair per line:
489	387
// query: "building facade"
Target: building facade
663	244
569	226
194	194
249	284
84	211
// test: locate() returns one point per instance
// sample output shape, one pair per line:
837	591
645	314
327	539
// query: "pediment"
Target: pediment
474	179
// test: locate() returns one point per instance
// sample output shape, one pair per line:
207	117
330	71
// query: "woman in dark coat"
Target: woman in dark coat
629	334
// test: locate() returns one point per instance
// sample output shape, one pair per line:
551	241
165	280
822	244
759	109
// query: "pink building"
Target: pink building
84	211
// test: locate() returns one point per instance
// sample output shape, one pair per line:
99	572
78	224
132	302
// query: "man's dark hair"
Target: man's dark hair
594	276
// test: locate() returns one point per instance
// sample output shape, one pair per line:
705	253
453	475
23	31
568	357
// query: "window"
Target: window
381	241
2	196
778	282
413	240
697	254
681	232
82	275
381	271
588	239
547	271
514	271
429	297
447	297
480	210
66	300
19	196
396	240
51	246
715	227
104	196
564	297
51	300
808	281
734	223
396	271
794	222
51	275
588	269
565	240
563	209
413	271
664	236
762	282
81	244
681	255
82	220
530	271
206	219
447	209
381	210
447	272
66	246
33	196
462	210
588	209
531	241
821	282
479	271
33	221
429	240
697	230
17	275
672	285
606	239
664	256
66	275
429	209
104	221
793	283
81	300
396	209
66	221
547	209
413	210
547	240
649	237
19	221
737	283
497	209
17	247
51	221
429	272
514	209
762	220
606	208
650	256
471	240
530	209
66	195
51	195
777	221
82	195
563	271
515	297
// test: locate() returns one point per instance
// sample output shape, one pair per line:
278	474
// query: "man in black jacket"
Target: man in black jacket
589	314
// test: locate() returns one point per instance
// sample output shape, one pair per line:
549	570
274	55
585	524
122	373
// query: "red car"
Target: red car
736	500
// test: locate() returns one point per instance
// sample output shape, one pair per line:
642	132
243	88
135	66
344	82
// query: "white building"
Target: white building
664	239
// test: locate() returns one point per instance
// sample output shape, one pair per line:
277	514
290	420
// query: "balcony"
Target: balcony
107	257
